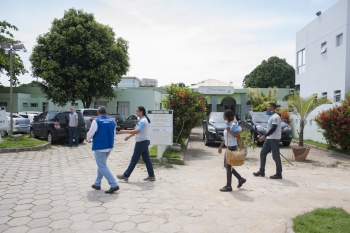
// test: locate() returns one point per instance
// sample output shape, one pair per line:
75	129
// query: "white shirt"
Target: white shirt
229	139
274	120
142	126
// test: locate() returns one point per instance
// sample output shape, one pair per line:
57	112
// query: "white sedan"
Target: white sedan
20	124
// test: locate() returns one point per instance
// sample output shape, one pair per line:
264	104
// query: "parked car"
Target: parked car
131	121
29	114
53	126
256	123
19	124
89	115
213	128
120	121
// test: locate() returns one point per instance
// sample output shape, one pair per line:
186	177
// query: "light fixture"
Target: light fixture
318	13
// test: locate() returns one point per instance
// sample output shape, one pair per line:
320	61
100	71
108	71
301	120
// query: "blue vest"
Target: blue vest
104	136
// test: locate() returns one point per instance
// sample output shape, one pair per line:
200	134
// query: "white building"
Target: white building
323	54
148	82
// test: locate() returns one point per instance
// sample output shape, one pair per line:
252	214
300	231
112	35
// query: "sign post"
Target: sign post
161	129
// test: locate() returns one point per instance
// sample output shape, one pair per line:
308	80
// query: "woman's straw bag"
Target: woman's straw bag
236	157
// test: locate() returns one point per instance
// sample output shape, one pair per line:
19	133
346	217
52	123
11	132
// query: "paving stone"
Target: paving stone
65	223
103	226
41	222
147	227
23	207
60	215
20	229
124	226
4	219
79	217
81	225
170	227
40	230
139	218
4	213
21	213
41	214
20	221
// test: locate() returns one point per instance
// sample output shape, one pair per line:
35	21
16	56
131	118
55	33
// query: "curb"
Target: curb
327	150
289	227
35	148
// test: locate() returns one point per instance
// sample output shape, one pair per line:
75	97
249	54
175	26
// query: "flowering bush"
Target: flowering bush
335	123
189	110
284	115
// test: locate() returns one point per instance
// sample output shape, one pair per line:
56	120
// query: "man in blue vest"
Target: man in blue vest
102	132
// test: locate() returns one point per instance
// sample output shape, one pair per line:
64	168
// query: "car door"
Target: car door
131	121
39	124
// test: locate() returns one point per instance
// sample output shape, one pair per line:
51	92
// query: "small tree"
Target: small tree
259	100
335	123
302	107
189	109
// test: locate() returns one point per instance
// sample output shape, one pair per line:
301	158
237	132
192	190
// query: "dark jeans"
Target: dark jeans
271	145
230	170
141	148
73	132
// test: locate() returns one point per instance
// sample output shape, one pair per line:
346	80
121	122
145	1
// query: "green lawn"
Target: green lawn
167	154
323	145
330	220
23	142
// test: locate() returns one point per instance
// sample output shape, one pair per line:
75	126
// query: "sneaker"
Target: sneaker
241	182
122	177
150	178
259	173
226	189
276	176
96	187
112	190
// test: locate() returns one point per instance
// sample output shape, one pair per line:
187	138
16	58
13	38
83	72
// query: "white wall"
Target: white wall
311	130
325	72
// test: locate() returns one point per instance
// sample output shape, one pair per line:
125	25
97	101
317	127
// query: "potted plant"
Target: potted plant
247	141
302	107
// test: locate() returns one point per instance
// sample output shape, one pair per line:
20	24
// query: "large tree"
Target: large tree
275	72
79	59
7	37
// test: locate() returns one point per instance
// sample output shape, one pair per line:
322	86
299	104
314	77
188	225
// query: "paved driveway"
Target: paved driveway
49	191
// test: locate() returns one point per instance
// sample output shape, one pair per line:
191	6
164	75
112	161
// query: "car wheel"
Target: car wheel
31	133
81	140
286	143
206	142
50	138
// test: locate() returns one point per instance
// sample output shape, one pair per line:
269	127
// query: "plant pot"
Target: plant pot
301	153
175	147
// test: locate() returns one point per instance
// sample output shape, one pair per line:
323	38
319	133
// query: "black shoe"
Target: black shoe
122	177
150	178
226	189
241	182
112	190
96	187
276	176
259	173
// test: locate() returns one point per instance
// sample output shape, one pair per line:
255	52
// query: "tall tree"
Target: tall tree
18	67
275	72
79	59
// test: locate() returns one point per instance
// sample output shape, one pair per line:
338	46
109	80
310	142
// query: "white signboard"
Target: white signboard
224	90
161	127
4	124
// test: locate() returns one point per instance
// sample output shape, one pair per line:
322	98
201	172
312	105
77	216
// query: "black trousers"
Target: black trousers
230	170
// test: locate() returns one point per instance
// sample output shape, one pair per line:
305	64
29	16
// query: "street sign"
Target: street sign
161	127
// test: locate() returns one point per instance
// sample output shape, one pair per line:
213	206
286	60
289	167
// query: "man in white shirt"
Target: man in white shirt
73	127
271	144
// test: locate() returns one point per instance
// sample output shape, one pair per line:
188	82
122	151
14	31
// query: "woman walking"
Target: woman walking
231	133
142	138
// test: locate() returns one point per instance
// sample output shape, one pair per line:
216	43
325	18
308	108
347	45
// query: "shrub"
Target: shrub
335	123
188	110
285	116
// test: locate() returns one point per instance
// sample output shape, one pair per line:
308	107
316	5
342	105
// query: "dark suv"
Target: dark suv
120	124
53	125
213	128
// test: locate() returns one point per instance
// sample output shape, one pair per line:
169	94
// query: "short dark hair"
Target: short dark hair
273	105
229	114
102	110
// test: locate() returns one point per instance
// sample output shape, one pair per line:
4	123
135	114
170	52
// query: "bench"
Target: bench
16	136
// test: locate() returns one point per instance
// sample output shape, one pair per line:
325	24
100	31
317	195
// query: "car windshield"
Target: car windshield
217	117
260	117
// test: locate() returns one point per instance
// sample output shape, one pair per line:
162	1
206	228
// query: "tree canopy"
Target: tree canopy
18	67
79	59
275	72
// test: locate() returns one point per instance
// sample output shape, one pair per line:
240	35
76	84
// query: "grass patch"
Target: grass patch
23	142
323	145
153	151
330	220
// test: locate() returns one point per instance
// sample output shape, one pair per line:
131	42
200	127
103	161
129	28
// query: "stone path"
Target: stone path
50	191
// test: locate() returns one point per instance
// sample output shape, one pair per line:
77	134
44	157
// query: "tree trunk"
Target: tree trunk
301	133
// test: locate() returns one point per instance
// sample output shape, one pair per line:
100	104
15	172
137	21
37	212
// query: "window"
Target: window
25	105
34	105
337	96
3	104
301	61
324	47
123	107
324	94
339	40
100	103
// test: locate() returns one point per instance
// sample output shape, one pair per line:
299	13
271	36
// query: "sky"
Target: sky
176	41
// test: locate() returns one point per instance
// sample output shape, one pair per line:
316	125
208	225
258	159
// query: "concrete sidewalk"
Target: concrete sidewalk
50	191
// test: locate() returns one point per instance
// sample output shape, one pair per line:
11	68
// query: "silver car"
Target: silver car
20	124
